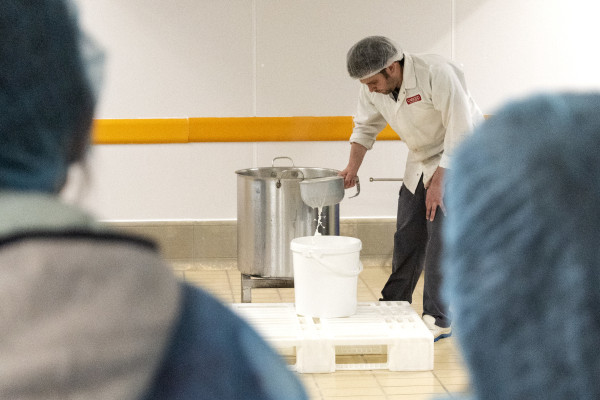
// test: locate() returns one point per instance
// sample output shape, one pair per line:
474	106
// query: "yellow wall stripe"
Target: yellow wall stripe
251	129
137	131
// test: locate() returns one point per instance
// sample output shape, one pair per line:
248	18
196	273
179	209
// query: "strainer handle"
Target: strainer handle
357	187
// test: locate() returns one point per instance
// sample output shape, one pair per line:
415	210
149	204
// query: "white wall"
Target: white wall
511	48
240	58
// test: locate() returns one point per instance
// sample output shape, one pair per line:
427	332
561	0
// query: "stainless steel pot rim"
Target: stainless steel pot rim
278	172
324	179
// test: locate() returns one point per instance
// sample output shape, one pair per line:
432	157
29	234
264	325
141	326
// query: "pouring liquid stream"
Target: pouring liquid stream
319	222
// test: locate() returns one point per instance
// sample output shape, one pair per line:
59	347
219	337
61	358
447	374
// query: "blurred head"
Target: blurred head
371	55
46	99
522	261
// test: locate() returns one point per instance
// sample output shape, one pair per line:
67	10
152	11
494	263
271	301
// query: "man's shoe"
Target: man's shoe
437	331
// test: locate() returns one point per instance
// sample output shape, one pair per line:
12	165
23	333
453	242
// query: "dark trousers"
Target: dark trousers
417	245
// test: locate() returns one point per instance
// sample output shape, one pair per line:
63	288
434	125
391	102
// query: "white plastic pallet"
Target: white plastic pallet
376	328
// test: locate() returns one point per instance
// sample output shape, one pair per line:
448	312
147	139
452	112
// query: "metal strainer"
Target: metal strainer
323	192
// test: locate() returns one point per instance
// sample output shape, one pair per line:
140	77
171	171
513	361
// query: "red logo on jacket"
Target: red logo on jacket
413	99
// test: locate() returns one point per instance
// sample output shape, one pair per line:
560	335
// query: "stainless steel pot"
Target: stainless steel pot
270	213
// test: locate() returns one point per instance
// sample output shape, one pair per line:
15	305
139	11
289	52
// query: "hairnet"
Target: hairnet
522	255
370	55
46	99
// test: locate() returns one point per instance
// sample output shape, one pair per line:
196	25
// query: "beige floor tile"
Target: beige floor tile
266	295
448	364
237	298
181	265
342	376
354	397
310	386
235	277
224	297
348	381
365	295
208	272
287	295
213	278
403	382
462	380
426	389
413	396
220	285
308	380
314	394
457	389
402	374
444	374
359	392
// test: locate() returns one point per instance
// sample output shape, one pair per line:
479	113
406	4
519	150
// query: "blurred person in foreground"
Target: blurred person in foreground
425	100
88	313
522	263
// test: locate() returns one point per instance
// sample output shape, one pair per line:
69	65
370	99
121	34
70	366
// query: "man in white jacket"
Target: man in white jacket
424	99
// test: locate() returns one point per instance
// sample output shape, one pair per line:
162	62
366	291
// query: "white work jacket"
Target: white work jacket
432	115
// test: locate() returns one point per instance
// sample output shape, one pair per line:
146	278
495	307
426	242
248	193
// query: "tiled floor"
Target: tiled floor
447	378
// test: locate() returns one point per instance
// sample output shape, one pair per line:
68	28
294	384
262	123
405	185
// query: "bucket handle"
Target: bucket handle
318	256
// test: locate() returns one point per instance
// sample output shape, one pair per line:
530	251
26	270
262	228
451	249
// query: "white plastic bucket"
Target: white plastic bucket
326	272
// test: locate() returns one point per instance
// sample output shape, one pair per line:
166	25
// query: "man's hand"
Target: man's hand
435	194
349	177
357	153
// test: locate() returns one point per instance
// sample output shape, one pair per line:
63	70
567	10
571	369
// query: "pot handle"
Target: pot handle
279	158
357	187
